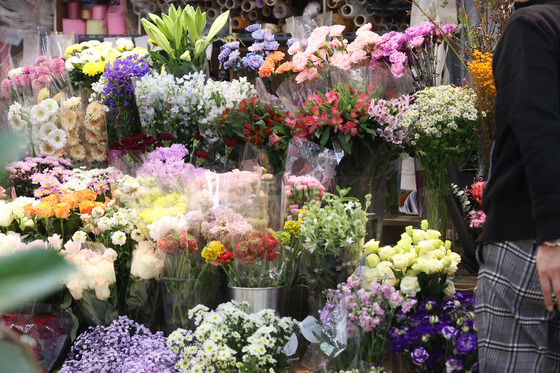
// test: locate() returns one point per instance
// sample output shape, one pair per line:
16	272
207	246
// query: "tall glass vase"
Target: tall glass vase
432	202
366	172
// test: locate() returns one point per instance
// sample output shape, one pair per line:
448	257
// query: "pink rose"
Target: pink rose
55	241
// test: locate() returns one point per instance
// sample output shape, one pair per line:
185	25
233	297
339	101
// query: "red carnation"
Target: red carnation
229	141
158	145
199	137
271	255
201	154
165	136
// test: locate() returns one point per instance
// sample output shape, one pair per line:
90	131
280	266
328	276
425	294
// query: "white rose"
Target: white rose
386	252
75	285
6	214
9	242
409	285
146	263
118	238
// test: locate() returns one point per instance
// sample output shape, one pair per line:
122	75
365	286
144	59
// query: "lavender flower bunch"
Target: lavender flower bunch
116	91
414	50
248	66
122	347
167	164
370	311
438	337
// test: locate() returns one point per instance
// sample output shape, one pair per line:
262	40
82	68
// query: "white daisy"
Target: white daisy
46	149
72	102
17	123
78	152
57	139
40	113
52	106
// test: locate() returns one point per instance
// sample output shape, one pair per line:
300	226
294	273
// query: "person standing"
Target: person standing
518	286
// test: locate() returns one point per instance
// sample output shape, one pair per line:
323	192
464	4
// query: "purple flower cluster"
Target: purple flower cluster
264	44
25	175
415	47
441	336
167	164
120	77
122	347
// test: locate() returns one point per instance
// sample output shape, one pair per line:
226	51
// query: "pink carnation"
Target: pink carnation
300	61
358	56
336	30
296	47
340	60
6	85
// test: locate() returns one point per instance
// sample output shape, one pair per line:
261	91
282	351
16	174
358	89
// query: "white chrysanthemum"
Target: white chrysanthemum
15	119
105	45
45	130
57	139
118	238
125	44
52	106
40	113
69	64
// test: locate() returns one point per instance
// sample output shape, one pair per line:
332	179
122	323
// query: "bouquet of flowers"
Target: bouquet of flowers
179	40
438	336
470	200
299	190
123	346
419	263
414	50
25	83
262	125
331	235
443	121
115	89
370	313
87	61
230	340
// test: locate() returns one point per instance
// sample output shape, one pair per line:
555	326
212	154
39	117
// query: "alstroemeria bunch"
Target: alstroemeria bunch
370	312
317	50
87	61
470	200
419	263
299	190
25	82
438	336
231	340
261	124
115	90
414	50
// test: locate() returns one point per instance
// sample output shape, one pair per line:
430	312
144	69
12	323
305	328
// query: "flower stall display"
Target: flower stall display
24	175
179	43
87	61
439	336
442	120
115	89
231	340
419	263
370	312
331	235
123	346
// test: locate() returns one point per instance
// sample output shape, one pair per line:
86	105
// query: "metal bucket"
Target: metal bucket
260	298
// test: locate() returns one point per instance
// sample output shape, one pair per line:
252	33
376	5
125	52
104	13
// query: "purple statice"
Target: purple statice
122	347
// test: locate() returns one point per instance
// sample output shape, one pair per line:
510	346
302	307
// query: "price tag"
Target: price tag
291	347
309	328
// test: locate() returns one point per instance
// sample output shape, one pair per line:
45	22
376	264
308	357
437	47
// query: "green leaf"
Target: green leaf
343	140
324	137
29	274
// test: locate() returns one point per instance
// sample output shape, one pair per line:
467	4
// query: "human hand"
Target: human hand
548	266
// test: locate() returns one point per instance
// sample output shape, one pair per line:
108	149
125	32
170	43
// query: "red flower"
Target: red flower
158	145
188	242
201	154
225	258
476	191
165	136
149	141
229	141
140	137
199	137
271	255
242	106
170	244
244	253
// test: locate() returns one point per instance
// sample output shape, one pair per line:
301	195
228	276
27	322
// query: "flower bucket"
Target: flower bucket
260	298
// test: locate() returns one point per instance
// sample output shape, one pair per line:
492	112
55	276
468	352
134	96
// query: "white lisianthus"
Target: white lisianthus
79	236
409	285
371	247
372	260
400	261
386	252
118	238
449	290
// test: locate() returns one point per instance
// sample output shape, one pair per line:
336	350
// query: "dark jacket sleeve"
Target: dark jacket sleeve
528	80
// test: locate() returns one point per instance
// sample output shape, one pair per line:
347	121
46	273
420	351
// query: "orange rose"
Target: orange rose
86	207
53	198
44	210
61	210
87	195
72	199
29	211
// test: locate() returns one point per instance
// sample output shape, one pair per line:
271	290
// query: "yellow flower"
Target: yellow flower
43	94
212	251
93	68
292	227
72	48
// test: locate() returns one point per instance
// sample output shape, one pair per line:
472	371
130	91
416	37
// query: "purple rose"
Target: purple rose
419	355
466	343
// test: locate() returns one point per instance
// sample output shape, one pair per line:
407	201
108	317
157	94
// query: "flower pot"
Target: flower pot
260	298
